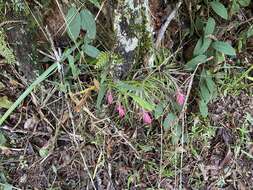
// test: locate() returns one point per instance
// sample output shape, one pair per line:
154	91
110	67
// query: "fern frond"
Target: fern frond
102	60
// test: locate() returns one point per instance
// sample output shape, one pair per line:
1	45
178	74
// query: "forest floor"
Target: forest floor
186	123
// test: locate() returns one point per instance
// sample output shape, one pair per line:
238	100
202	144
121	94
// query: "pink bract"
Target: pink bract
180	97
146	118
121	111
109	97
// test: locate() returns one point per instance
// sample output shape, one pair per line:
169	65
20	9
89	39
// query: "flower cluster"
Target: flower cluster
146	116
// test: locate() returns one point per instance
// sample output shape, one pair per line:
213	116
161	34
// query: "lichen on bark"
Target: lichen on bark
134	39
5	50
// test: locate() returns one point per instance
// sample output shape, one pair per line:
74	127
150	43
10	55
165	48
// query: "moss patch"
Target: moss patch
5	51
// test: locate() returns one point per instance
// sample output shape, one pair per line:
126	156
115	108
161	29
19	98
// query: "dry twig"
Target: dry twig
165	25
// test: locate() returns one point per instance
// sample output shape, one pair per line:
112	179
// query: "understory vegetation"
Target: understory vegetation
109	94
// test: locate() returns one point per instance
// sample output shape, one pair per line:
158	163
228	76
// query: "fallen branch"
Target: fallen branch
165	25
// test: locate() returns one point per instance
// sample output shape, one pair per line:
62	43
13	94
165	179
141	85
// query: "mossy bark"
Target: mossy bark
133	32
20	39
5	50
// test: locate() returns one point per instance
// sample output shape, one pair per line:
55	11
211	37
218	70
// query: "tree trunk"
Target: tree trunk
134	36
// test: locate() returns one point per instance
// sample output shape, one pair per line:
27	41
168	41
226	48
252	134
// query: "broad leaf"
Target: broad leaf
204	93
207	86
235	7
244	3
169	121
90	50
192	64
88	23
219	9
224	47
210	26
211	85
159	110
95	2
2	139
202	46
250	31
203	108
73	23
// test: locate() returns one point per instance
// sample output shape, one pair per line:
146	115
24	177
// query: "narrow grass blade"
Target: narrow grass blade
41	78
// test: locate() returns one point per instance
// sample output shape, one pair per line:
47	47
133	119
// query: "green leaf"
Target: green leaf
199	23
250	31
88	23
219	57
69	50
204	93
91	50
169	121
124	87
72	66
159	110
101	94
235	7
143	103
244	3
2	86
41	78
210	26
43	152
211	84
219	9
224	47
95	2
203	108
192	64
102	60
207	86
5	103
202	46
73	23
2	139
249	118
7	187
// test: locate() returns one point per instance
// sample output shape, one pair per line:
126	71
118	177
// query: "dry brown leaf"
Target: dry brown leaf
65	117
96	84
30	123
227	158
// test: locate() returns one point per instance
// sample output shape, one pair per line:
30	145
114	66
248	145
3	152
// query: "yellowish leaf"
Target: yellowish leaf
5	103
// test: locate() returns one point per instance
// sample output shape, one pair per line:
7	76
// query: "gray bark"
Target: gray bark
134	35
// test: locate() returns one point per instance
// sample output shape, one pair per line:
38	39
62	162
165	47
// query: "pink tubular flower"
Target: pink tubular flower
146	118
180	97
109	97
121	111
